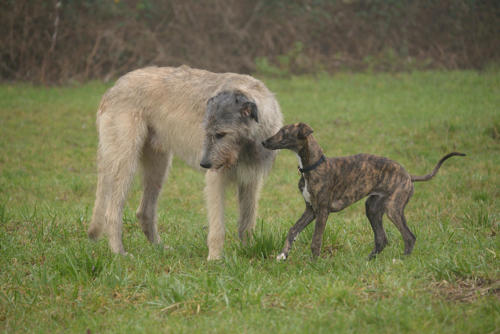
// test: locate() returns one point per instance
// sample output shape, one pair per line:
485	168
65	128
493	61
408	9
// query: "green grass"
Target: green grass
52	279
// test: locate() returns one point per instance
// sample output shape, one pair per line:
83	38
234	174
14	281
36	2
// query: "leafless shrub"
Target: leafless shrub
60	40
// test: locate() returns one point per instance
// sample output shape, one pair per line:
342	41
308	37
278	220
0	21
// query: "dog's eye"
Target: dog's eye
220	135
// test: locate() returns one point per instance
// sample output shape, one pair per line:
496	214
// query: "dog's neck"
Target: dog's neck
310	153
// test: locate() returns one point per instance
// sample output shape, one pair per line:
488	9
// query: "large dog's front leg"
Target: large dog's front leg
306	218
317	239
214	195
248	196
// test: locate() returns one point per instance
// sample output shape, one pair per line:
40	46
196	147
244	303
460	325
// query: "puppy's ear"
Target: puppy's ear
304	131
249	109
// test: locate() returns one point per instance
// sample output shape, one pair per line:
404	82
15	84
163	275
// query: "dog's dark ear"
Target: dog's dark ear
249	109
304	131
210	101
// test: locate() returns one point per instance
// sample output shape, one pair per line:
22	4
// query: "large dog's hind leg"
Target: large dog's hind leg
102	196
374	211
114	212
155	167
248	197
214	193
122	139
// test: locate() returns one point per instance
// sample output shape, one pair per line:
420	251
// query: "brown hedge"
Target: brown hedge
60	40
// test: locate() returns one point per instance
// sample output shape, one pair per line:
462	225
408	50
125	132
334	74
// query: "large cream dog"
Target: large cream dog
218	120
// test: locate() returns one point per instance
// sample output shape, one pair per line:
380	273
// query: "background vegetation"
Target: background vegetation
58	41
53	279
389	95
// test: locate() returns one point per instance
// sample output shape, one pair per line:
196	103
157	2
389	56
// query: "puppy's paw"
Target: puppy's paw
281	257
167	247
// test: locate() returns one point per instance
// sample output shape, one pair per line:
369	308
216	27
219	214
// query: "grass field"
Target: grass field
52	279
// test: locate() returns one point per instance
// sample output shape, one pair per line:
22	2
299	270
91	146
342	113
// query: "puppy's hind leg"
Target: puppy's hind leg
155	167
374	211
395	211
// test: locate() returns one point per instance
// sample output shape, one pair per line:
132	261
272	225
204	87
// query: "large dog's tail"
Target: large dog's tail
415	178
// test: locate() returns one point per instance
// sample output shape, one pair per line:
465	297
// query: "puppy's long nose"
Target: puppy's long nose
206	165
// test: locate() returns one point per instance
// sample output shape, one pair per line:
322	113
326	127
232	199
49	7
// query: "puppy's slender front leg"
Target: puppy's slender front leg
306	219
318	232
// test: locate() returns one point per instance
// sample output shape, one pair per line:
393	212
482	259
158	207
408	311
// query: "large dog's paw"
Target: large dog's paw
281	257
214	257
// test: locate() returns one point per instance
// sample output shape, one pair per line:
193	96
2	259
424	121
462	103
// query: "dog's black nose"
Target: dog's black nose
206	165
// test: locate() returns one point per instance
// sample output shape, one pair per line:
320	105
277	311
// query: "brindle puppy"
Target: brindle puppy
332	184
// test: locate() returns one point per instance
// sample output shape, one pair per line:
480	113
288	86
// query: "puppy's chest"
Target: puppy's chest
303	184
309	191
304	190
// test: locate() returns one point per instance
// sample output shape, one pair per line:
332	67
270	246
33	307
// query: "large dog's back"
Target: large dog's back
154	113
170	102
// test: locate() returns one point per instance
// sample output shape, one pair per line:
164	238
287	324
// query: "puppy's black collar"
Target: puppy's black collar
313	166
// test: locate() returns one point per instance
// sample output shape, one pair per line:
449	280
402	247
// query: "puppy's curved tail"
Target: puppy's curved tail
415	178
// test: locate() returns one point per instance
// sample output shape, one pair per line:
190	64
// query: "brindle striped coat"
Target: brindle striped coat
335	183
